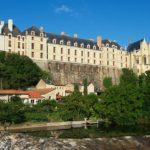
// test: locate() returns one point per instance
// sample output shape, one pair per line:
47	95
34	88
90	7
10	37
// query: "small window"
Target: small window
32	38
68	58
82	45
107	63
68	43
32	45
113	63
81	53
61	58
61	50
9	43
41	46
68	51
113	56
88	61
75	44
18	44
100	62
107	45
75	52
100	55
54	41
41	34
82	60
61	42
53	57
88	46
75	59
107	55
9	36
88	54
32	101
18	38
22	38
94	47
94	54
41	39
41	55
32	33
94	61
32	54
54	49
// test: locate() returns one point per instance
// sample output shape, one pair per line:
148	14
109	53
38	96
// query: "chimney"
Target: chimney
41	29
10	25
99	41
62	33
75	36
1	26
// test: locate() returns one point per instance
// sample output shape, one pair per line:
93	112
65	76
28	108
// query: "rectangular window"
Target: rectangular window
107	56
75	52
61	58
32	38
113	56
88	61
94	61
68	58
9	43
68	51
75	59
32	45
88	54
22	45
81	60
41	55
121	65
100	62
54	49
94	54
107	63
41	46
18	44
32	101
32	54
61	50
126	59
113	63
121	57
100	55
81	53
53	57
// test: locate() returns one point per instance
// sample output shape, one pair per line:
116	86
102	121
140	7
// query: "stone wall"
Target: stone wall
75	73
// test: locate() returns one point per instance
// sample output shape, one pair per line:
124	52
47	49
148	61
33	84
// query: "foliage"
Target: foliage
107	82
85	86
19	71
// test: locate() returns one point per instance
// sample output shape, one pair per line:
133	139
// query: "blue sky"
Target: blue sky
120	20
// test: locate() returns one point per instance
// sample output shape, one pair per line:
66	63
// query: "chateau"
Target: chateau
71	59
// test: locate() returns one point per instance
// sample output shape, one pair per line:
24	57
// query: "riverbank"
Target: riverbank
25	142
47	126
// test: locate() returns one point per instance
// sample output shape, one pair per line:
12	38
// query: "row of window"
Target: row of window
75	52
32	55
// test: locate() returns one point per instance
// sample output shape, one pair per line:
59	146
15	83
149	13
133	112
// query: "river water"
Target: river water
94	132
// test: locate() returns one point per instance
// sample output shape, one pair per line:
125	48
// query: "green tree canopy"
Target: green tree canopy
107	82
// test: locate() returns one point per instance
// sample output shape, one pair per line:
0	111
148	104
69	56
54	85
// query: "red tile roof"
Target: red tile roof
35	93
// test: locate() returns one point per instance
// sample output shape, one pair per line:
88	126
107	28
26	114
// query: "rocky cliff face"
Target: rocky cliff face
75	73
24	142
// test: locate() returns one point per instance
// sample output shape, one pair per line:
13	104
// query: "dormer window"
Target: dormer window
41	34
61	42
76	44
32	33
68	43
82	45
88	46
107	45
94	47
54	41
9	36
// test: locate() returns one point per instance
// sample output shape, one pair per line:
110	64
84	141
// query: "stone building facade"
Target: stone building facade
71	59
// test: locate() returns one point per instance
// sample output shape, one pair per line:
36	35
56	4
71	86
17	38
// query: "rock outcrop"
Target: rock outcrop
25	142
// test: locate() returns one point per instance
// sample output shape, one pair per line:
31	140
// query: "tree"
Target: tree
85	86
107	82
73	107
121	105
128	77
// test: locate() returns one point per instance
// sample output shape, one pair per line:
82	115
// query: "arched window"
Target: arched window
68	43
82	45
144	60
54	41
76	44
32	33
88	46
94	47
61	42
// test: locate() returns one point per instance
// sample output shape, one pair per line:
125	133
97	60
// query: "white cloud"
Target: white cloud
63	8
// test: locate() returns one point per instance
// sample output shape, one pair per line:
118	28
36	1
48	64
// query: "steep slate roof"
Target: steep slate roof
33	28
15	31
111	43
72	40
134	46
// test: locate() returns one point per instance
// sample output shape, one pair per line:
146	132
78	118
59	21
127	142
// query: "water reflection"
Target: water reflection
94	132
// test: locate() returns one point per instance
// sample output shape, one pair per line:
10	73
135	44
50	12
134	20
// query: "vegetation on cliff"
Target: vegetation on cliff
19	71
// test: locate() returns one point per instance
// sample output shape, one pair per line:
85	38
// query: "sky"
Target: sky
123	21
